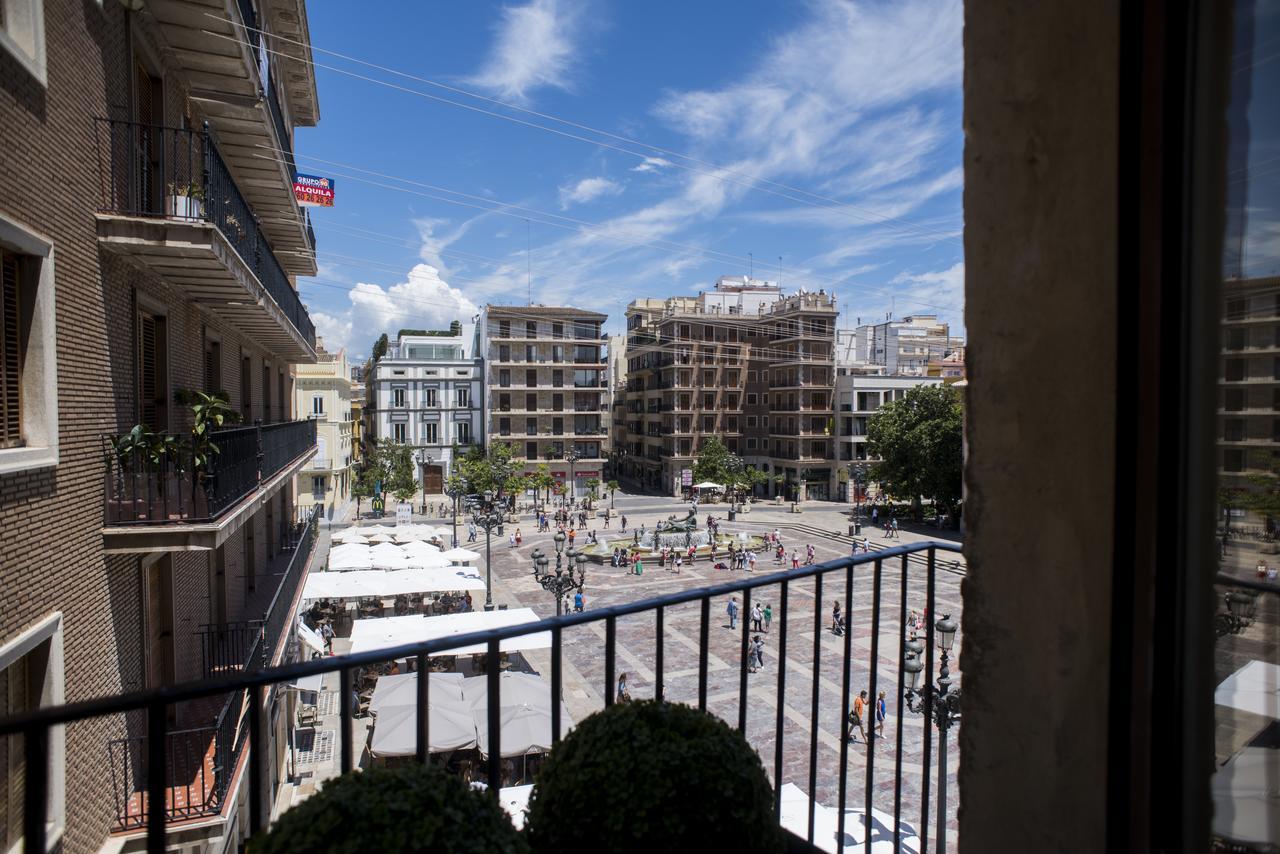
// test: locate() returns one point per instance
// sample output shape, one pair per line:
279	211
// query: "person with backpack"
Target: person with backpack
855	717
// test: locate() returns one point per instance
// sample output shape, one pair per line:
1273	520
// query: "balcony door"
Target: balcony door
144	143
153	371
158	622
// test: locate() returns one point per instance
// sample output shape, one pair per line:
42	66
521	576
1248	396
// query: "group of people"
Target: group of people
761	616
889	525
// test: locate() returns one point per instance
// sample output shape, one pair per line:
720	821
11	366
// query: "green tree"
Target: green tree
919	440
397	462
593	483
613	487
362	483
542	480
715	462
380	347
492	470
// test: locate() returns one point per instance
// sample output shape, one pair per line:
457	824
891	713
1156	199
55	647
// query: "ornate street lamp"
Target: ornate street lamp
485	516
564	579
453	493
940	702
857	475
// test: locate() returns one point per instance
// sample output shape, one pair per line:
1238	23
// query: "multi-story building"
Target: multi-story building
547	388
148	252
1249	385
744	362
357	413
903	347
427	391
322	392
860	395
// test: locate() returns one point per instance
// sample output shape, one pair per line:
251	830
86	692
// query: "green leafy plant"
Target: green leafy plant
209	413
653	776
613	487
410	808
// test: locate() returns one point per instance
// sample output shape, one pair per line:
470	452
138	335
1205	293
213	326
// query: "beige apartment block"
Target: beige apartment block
322	392
547	390
147	253
742	361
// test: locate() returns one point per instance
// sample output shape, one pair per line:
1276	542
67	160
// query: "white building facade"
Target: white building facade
902	347
859	396
428	392
322	392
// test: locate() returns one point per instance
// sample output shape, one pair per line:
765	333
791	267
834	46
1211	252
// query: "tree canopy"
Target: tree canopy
919	440
491	470
392	466
380	347
716	463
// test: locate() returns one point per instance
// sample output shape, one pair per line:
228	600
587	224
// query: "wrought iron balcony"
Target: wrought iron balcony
162	484
168	199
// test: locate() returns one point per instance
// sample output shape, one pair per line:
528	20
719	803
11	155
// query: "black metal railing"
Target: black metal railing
281	127
888	573
276	619
225	647
178	173
161	482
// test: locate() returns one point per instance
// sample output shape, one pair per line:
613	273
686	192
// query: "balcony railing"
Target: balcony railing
147	486
177	173
281	127
894	580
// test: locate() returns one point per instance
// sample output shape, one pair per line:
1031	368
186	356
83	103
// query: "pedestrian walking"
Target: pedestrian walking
519	538
623	520
732	610
326	632
572	533
856	714
837	621
809	553
751	561
579	601
755	654
881	713
795	560
623	696
757	618
679	562
768	616
511	540
471	532
467	599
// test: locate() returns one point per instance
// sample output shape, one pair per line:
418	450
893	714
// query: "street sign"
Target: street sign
403	514
686	477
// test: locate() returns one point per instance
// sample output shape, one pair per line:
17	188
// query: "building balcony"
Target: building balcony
167	200
320	464
159	501
204	755
222	63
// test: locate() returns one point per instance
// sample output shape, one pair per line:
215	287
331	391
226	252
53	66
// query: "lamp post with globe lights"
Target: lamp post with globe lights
940	702
565	578
487	517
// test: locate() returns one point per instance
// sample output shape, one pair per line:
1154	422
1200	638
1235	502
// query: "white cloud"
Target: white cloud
534	48
939	288
651	164
422	301
587	190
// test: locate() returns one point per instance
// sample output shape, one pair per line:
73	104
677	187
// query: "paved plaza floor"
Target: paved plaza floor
824	525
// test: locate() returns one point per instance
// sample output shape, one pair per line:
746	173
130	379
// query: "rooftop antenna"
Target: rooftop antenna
751	265
528	269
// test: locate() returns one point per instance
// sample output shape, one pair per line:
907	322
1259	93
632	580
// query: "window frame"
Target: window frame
35	61
40	359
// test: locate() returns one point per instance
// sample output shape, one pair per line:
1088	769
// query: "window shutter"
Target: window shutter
147	363
10	353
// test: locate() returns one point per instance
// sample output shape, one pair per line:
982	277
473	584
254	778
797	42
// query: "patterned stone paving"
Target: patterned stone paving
584	664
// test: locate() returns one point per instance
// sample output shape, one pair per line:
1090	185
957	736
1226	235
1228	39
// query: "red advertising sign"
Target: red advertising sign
312	190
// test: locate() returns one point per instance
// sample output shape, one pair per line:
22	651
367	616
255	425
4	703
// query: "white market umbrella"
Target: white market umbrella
514	689
417	549
428	561
350	535
401	689
515	800
706	484
370	530
377	539
350	557
461	555
309	637
1246	808
795	817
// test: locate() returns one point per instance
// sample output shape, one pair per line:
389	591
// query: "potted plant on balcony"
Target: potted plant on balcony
185	200
209	413
406	808
652	776
119	451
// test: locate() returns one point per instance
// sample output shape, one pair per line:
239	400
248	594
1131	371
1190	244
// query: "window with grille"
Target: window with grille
464	432
431	397
464	397
317	404
212	367
431	433
398	432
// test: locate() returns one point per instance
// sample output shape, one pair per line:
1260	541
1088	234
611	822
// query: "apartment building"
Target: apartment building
1249	385
859	396
427	391
357	413
547	389
903	347
323	393
742	361
147	253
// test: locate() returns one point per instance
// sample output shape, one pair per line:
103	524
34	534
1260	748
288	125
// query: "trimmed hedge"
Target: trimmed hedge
383	810
655	777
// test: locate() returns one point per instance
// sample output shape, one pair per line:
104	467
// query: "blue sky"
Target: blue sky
826	132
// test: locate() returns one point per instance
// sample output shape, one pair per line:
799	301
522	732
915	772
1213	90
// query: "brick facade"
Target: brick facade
51	545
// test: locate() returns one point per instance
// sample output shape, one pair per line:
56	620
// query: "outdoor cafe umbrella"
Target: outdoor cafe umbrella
350	535
461	555
514	688
706	484
378	539
350	557
388	556
394	702
523	729
419	553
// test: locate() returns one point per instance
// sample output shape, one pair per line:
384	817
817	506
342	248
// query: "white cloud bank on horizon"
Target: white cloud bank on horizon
423	301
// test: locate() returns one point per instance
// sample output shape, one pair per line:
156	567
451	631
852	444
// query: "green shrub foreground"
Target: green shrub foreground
385	810
654	777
